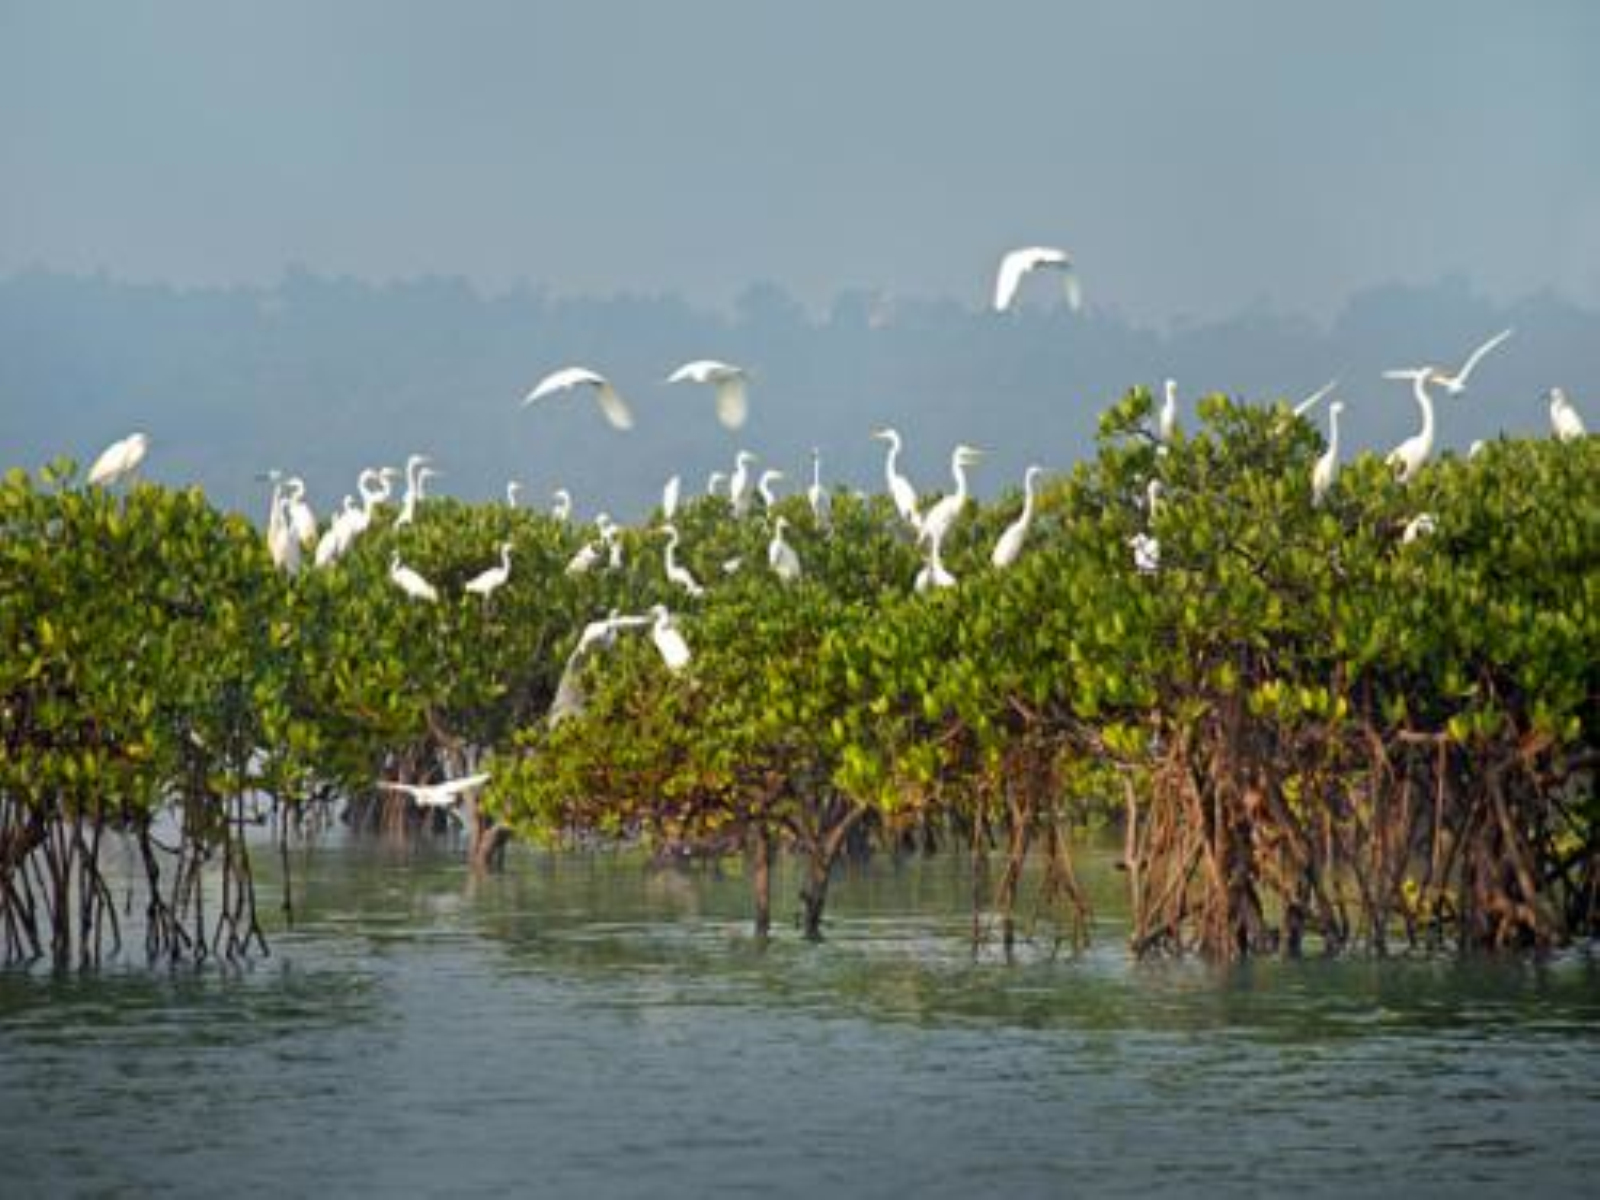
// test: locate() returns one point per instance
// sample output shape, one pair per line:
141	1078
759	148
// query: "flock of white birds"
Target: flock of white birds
293	532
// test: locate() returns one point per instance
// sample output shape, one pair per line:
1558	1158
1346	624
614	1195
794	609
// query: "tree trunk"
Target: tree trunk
760	848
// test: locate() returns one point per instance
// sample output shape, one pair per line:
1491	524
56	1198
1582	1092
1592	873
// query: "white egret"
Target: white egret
740	485
1146	553
1410	454
933	573
609	534
415	465
1311	401
1167	420
1018	263
731	566
676	572
1565	422
513	492
119	460
282	544
732	404
816	495
1419	526
411	583
561	506
1478	447
669	642
937	520
669	497
584	560
437	795
1009	546
301	518
781	556
764	486
568	378
1327	468
597	635
900	489
486	582
1457	383
336	539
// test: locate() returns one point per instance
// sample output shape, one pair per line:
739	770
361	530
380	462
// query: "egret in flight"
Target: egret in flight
1018	263
1322	475
568	378
1457	383
119	460
487	582
437	795
729	380
1410	454
937	520
1009	546
409	582
1565	422
669	642
900	489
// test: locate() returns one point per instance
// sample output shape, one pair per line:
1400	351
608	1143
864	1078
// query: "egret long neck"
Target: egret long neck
1425	402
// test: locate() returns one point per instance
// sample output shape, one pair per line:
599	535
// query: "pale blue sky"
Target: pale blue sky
1198	157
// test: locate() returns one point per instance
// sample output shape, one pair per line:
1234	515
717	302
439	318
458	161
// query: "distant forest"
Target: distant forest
323	376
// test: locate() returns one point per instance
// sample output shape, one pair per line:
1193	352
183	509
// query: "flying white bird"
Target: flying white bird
1457	383
1410	454
676	572
669	642
119	460
729	380
409	582
1327	467
669	498
597	635
437	795
611	404
900	489
817	495
486	582
1019	263
1565	422
781	556
937	520
1009	546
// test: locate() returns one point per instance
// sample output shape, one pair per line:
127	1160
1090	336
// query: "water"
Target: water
580	1027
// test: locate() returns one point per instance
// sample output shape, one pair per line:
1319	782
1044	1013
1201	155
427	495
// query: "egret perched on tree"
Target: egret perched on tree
409	582
597	635
781	557
341	531
486	582
1327	468
729	380
764	486
301	519
119	460
416	464
1457	383
677	573
1146	546
933	573
1018	263
740	485
1419	526
1410	454
513	492
568	378
669	498
669	642
900	489
1565	422
282	544
937	520
437	795
715	482
561	509
1167	421
816	495
1009	546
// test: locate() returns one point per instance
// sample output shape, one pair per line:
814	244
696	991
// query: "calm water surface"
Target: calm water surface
581	1027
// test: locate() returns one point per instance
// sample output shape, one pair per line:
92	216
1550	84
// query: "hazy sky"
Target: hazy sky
1197	157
